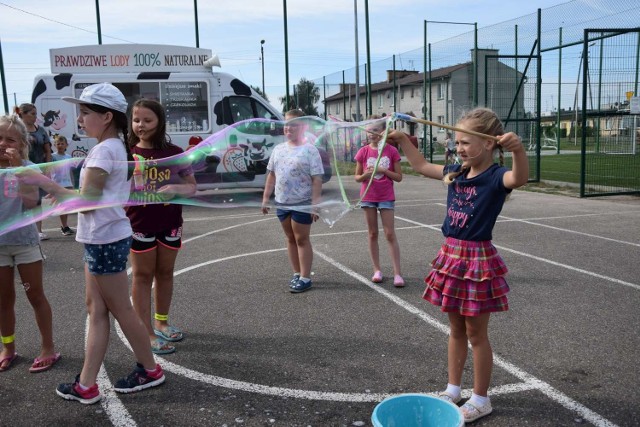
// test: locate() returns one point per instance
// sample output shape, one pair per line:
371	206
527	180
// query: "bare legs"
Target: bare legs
298	246
110	294
388	218
159	264
472	330
31	277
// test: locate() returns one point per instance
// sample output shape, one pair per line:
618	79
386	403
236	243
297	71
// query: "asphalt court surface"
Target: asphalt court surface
565	353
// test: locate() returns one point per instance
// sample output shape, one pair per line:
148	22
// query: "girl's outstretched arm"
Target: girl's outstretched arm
417	161
519	173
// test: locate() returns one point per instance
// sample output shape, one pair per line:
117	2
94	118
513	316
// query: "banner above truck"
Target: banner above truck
128	58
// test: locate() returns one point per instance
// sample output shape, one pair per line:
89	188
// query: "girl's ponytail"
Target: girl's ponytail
122	123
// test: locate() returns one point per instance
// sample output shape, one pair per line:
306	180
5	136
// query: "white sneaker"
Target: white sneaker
43	236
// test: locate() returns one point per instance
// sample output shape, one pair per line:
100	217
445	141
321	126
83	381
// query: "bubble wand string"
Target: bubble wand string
408	118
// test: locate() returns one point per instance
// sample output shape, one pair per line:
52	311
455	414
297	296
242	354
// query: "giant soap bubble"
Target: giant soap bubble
230	167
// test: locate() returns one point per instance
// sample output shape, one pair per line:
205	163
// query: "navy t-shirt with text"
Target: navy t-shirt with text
473	205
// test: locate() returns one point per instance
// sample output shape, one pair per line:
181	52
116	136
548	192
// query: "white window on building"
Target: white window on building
441	120
413	92
441	91
337	108
380	100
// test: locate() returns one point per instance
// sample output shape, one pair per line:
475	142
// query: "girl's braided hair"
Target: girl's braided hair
483	120
122	124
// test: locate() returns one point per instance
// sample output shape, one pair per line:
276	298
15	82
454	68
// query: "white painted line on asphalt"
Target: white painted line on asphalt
564	230
110	402
284	391
530	382
545	260
268	218
119	415
213	218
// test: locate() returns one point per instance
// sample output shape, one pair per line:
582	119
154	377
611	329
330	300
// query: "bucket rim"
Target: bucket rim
374	414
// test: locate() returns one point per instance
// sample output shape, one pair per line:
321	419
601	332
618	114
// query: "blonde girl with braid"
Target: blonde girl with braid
467	277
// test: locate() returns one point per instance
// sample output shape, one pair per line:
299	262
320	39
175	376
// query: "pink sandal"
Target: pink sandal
40	365
8	360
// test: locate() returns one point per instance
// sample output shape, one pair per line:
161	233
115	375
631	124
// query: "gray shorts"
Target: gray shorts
11	256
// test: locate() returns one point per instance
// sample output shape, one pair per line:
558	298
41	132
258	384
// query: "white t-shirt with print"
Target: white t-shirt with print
294	165
108	224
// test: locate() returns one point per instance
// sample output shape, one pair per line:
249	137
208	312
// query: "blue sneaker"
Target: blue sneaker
300	286
294	280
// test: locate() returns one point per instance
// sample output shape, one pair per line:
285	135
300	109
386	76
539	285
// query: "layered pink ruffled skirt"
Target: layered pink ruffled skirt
468	278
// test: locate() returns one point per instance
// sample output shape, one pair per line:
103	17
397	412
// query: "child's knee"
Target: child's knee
35	294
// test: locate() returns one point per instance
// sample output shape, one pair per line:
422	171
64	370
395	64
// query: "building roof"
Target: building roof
413	79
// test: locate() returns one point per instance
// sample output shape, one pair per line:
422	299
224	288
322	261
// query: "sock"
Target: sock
304	279
152	371
479	400
82	387
453	390
296	274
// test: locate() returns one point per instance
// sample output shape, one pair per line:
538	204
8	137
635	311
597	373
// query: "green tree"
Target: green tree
257	89
305	96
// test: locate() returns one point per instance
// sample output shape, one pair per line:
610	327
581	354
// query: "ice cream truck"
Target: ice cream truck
198	102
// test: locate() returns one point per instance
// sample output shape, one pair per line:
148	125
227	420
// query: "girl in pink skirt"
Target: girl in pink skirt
467	279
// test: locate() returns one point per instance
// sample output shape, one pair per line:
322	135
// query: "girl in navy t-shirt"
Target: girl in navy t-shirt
467	276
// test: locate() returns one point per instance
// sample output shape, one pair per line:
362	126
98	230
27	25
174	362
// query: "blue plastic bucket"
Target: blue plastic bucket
416	410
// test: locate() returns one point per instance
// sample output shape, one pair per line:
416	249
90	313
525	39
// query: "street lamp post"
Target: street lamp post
262	61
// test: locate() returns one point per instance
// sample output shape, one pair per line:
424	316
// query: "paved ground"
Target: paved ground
256	355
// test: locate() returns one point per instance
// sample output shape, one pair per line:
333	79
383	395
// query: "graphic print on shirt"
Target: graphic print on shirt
462	205
385	162
154	178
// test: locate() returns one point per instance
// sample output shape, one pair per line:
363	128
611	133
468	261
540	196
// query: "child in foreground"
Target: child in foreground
105	231
467	276
157	227
20	249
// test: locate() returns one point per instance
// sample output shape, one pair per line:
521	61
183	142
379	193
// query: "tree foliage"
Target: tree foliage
259	90
305	97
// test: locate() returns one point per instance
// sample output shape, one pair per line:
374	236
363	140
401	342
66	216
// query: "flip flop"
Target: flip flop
170	333
160	346
8	360
40	365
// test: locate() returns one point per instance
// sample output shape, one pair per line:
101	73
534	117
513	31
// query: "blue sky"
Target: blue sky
321	35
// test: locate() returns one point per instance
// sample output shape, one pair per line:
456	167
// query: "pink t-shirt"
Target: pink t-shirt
381	189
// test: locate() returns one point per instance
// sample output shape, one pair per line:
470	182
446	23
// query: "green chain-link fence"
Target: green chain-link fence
528	69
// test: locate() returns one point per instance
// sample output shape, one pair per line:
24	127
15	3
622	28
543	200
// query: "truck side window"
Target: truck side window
241	108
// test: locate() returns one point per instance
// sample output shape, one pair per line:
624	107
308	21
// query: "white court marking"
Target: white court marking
545	260
119	415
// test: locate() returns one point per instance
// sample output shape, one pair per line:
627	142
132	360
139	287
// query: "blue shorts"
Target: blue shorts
110	258
297	216
378	205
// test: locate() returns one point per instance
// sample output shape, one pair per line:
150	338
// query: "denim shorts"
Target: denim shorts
108	258
378	205
297	216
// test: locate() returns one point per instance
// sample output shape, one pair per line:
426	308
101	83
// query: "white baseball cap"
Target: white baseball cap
103	94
